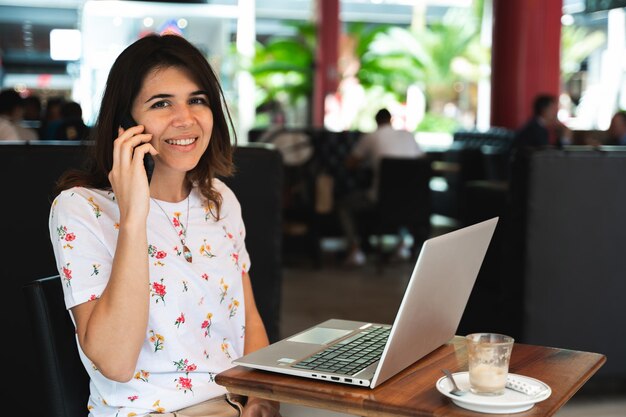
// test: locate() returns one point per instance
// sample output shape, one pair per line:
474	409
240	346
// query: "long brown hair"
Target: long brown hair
124	83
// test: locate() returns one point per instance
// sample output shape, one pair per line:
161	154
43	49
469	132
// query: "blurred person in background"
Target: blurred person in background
32	111
11	114
385	141
616	134
51	119
72	126
544	128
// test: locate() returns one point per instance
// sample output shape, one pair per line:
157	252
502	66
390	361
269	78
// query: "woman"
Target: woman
155	271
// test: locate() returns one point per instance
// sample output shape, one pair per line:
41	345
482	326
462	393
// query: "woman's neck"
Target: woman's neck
172	190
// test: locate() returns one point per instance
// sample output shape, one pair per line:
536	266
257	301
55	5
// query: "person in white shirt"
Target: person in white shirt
385	141
155	270
11	111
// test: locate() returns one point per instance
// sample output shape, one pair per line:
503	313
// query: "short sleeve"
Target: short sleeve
234	226
83	254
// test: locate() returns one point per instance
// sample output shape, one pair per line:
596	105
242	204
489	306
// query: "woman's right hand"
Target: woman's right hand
128	175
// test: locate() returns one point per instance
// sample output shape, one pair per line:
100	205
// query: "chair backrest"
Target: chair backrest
258	184
65	380
404	197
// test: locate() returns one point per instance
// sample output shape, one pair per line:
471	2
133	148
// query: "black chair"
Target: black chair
404	200
65	380
258	185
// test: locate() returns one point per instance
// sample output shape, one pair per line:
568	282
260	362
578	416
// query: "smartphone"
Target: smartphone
148	163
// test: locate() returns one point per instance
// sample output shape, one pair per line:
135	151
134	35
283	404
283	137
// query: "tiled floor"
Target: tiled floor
333	291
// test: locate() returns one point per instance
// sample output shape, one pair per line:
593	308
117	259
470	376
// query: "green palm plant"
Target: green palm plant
282	68
435	57
390	58
455	54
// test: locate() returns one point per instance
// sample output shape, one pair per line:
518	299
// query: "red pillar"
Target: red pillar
326	77
525	57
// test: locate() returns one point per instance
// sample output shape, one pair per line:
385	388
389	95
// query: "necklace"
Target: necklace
182	235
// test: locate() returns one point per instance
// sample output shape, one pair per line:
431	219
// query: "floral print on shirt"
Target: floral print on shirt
196	318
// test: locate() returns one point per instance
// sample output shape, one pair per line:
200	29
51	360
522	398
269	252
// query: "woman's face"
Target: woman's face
176	111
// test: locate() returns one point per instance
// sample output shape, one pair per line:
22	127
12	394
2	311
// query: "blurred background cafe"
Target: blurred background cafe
305	78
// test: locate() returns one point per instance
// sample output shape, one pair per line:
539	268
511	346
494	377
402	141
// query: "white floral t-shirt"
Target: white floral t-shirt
196	325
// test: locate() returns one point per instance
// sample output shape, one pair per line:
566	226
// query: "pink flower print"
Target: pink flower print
180	320
206	325
67	274
93	297
232	308
177	224
223	290
205	276
183	365
184	384
66	236
224	346
154	252
158	291
156	340
133	398
227	234
142	375
235	258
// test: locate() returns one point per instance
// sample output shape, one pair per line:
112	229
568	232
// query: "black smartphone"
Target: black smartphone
127	122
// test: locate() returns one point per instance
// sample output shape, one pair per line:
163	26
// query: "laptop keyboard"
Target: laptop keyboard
351	355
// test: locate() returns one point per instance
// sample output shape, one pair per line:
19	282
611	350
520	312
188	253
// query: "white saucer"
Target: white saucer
509	402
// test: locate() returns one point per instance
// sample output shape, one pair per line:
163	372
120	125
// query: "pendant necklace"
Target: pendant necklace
182	235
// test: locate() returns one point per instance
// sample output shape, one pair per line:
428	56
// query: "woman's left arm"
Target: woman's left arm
256	338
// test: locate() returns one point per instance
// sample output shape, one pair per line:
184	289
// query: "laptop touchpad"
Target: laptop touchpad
319	335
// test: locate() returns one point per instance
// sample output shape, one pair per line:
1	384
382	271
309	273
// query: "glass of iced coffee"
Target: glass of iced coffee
488	359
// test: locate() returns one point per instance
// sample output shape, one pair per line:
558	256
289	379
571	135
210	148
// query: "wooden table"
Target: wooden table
413	392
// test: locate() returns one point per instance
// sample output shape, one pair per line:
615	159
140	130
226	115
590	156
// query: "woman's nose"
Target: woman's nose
183	117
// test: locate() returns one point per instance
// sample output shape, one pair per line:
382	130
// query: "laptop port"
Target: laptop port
348	379
335	378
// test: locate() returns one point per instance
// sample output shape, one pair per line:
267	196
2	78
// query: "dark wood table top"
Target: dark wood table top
412	392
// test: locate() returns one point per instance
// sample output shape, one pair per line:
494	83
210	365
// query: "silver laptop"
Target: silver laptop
367	354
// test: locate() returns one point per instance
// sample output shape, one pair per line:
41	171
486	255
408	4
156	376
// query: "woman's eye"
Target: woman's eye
198	100
160	104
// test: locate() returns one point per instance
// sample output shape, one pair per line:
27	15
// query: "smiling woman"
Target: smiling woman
156	274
